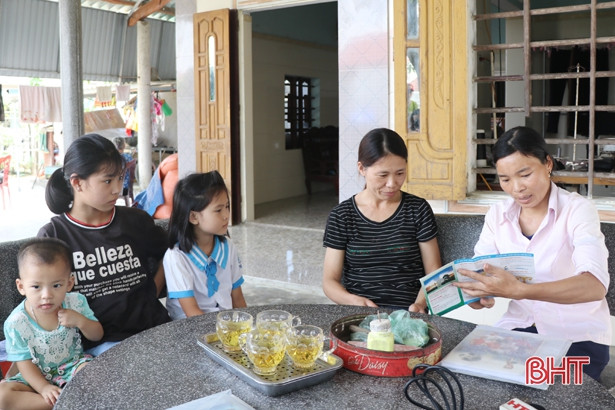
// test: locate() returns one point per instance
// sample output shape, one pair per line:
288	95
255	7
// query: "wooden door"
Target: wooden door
437	150
216	119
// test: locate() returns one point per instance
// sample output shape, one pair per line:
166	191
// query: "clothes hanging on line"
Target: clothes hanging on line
122	92
104	97
40	104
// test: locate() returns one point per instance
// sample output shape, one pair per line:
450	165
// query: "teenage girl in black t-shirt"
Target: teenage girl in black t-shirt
117	251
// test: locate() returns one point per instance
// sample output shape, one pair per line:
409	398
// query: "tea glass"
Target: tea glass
264	349
230	324
304	344
276	321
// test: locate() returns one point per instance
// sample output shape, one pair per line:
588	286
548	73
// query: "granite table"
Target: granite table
165	367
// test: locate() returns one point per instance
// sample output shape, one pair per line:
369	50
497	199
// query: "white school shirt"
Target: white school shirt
185	279
567	243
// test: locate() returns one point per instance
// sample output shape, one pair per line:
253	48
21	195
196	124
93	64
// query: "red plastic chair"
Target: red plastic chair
5	165
4	369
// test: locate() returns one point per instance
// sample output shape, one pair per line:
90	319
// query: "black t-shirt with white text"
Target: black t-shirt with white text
114	267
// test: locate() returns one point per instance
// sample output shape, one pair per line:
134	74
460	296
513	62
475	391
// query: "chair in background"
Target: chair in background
9	295
5	166
320	147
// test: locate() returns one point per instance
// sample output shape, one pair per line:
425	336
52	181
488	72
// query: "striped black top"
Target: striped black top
382	261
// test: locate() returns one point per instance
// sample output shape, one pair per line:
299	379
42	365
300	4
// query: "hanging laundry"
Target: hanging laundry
54	104
40	104
132	123
157	106
104	96
43	142
122	92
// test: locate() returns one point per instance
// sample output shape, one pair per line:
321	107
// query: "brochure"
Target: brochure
442	296
500	354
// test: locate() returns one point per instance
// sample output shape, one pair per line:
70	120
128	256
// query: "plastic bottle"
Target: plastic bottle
380	336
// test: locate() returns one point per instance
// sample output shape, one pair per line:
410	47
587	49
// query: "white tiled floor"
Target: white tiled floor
25	212
282	250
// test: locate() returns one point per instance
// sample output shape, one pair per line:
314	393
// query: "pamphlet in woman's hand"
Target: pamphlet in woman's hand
442	296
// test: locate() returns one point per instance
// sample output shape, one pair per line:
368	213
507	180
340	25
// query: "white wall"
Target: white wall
184	57
278	173
364	81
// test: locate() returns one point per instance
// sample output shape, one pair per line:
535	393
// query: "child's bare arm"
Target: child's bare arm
32	374
237	297
91	329
190	306
159	279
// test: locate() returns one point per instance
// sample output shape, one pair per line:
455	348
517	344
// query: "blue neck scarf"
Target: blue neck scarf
209	265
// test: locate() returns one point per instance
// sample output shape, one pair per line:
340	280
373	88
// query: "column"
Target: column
144	75
71	70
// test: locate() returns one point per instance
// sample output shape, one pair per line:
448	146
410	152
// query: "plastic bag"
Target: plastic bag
407	331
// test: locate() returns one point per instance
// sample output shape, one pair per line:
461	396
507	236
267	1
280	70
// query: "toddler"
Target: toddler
43	332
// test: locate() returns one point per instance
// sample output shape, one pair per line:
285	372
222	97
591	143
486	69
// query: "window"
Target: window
413	77
298	107
548	68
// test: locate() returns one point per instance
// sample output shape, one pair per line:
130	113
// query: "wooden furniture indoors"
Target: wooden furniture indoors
320	147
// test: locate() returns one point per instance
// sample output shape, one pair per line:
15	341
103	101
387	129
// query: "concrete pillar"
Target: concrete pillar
144	91
71	70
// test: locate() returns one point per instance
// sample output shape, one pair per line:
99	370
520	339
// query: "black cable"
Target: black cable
422	381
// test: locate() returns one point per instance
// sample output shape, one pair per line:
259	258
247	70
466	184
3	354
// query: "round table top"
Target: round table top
165	367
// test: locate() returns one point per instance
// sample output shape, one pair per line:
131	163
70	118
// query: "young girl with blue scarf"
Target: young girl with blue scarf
202	268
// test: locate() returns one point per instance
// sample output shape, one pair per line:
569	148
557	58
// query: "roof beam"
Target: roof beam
121	2
146	9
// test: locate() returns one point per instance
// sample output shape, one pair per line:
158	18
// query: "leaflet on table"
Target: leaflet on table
442	296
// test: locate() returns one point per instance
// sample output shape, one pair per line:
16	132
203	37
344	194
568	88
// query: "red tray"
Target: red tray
377	363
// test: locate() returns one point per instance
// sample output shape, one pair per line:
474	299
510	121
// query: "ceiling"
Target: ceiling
315	23
30	45
167	13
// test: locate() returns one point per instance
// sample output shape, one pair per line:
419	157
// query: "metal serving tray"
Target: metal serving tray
286	378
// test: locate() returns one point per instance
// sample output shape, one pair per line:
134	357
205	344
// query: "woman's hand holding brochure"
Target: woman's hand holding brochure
475	281
494	281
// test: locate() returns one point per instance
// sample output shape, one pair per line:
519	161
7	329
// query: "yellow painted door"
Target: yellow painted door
215	112
437	149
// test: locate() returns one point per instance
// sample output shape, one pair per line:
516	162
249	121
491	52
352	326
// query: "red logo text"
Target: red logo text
539	370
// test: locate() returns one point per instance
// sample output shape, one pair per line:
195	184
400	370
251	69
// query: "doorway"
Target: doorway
293	42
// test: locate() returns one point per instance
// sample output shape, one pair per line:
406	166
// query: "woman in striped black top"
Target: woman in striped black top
382	240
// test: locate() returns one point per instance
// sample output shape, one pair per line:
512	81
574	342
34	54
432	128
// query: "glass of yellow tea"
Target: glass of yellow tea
264	349
304	344
230	324
277	321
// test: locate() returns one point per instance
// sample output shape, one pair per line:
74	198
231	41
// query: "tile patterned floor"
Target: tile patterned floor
282	252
